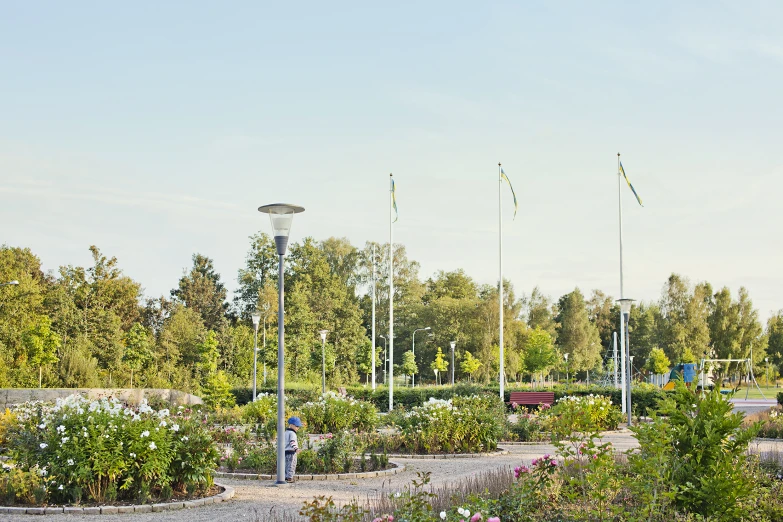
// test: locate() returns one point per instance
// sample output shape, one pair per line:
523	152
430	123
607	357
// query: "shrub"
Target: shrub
101	450
573	414
772	425
333	413
262	415
528	428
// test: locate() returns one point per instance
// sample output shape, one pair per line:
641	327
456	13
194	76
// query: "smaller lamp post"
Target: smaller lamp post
566	360
323	359
453	344
385	362
766	360
256	321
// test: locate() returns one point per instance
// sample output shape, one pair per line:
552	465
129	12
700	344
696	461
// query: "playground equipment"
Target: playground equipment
687	373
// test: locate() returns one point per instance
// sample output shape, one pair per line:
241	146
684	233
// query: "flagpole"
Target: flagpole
373	317
500	283
622	293
391	294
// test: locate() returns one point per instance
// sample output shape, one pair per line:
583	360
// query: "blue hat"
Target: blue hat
295	421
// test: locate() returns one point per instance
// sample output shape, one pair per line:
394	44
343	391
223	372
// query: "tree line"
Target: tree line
93	327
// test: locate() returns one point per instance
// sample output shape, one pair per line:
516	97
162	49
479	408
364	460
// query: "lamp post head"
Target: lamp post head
323	334
625	305
566	356
281	215
427	328
766	359
453	344
256	317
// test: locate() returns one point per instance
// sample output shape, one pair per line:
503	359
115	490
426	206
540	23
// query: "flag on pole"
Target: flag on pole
629	185
394	201
516	205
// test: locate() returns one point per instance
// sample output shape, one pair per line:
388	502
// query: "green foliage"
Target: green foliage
658	362
217	391
576	335
101	450
539	351
581	414
334	413
470	364
408	366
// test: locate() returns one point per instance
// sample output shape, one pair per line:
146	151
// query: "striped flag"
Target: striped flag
622	170
516	205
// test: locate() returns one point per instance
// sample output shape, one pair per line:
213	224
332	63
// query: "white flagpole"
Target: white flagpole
391	294
500	283
614	357
373	318
622	294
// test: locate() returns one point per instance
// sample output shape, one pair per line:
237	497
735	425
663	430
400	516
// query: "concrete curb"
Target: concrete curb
498	453
226	494
398	468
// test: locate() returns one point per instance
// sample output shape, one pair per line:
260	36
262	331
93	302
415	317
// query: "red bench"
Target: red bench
532	398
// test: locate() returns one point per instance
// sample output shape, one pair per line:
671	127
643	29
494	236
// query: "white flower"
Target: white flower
133	455
42	426
175	427
42	472
152	445
60	429
61	487
43	445
163	424
163	413
443	515
397	495
185	439
70	462
65	439
145	433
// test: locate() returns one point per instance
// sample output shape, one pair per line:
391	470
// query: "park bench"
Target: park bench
532	398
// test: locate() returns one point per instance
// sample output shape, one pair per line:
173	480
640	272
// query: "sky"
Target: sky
155	130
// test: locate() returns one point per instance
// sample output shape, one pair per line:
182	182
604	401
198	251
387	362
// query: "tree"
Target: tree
537	310
469	365
775	338
658	363
41	344
137	349
576	335
408	366
604	314
217	391
260	270
201	290
685	317
539	351
440	364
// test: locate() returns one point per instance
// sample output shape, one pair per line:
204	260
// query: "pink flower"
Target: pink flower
553	463
476	517
493	519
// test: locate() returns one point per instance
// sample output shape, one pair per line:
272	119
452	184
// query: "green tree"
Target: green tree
539	351
217	391
408	366
41	344
439	365
604	314
538	312
658	363
260	270
775	338
685	316
138	349
469	365
201	290
576	335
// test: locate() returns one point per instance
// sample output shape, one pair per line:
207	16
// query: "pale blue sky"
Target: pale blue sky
155	131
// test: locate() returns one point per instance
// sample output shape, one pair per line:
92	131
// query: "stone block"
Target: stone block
73	510
16	510
109	510
160	507
143	508
35	511
124	509
92	511
53	510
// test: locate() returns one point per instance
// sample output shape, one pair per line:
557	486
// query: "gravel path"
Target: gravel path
261	500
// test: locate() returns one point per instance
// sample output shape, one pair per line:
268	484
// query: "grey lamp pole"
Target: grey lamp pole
453	344
323	359
567	376
766	360
384	357
256	319
427	329
281	215
625	310
14	282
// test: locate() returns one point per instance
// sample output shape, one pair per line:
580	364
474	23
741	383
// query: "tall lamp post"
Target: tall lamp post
625	338
426	329
766	360
384	357
256	321
323	359
566	360
14	282
281	216
453	345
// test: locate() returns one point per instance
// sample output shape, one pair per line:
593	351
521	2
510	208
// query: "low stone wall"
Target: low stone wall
11	396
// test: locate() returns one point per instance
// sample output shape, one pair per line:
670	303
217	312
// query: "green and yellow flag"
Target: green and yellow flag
516	205
394	200
622	170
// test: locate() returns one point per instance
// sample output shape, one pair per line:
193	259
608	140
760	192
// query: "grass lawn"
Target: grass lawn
753	393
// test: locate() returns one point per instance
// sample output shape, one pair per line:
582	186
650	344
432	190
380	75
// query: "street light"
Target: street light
323	359
566	360
453	344
384	357
14	282
625	339
281	216
426	329
766	360
256	320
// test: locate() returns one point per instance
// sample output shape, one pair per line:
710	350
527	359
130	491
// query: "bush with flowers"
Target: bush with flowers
772	427
102	450
333	412
581	414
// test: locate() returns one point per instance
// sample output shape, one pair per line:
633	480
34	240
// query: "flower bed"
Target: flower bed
581	414
332	413
79	450
772	424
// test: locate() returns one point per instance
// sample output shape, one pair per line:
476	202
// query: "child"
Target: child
291	447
